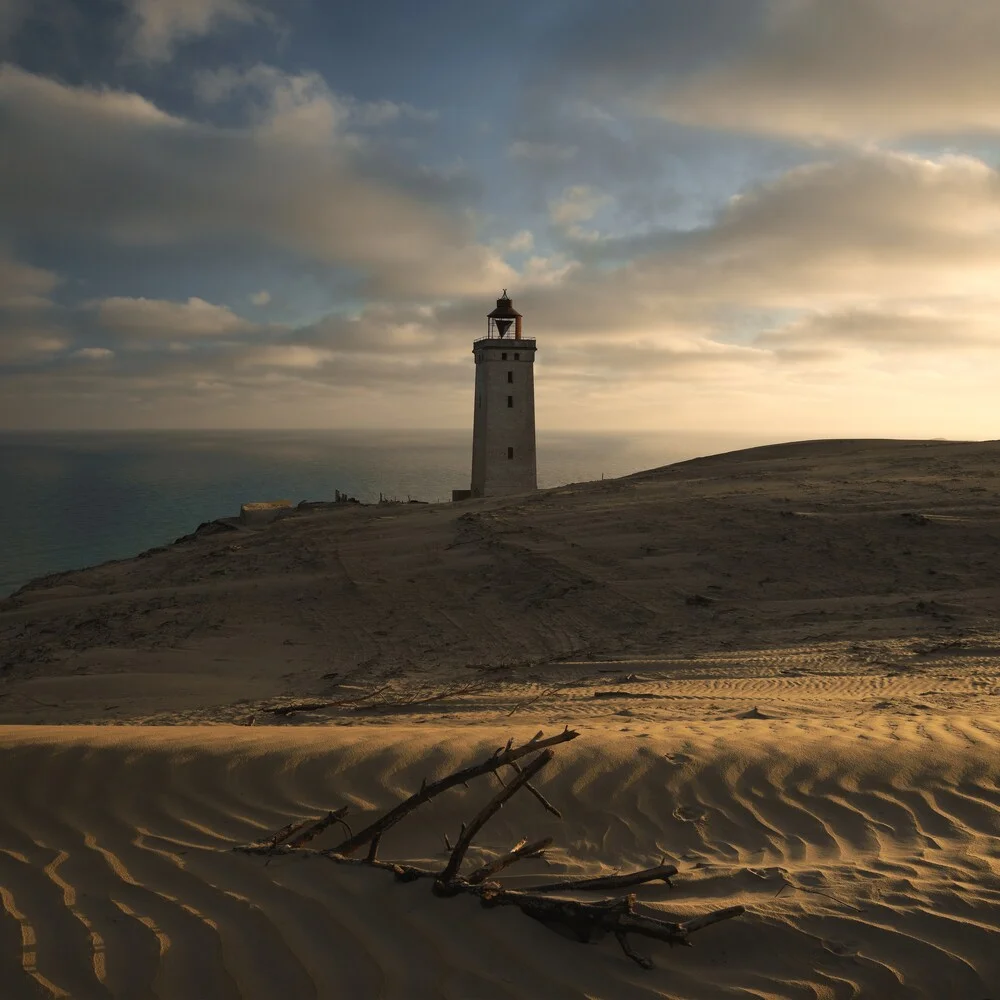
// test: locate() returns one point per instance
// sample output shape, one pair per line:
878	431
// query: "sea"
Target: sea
75	499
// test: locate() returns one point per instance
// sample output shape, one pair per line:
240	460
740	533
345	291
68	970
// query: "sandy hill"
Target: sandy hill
834	557
783	663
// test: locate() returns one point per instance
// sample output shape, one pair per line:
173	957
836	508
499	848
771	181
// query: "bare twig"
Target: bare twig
400	704
519	851
315	706
661	873
546	805
288	831
488	811
816	892
586	921
716	916
543	694
500	758
646	963
616	915
317	828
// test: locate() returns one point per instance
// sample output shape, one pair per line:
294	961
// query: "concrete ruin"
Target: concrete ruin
254	514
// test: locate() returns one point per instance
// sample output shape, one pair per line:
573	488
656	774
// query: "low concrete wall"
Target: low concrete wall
263	513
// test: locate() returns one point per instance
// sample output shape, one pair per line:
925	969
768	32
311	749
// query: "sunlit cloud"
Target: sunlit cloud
777	214
868	69
155	27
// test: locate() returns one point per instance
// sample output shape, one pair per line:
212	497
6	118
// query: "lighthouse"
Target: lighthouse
503	429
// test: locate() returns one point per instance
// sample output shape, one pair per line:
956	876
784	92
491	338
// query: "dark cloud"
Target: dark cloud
111	165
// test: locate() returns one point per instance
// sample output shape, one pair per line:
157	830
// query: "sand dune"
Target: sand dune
784	664
846	556
118	879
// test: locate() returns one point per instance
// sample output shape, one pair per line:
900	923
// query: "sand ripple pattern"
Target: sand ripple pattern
868	856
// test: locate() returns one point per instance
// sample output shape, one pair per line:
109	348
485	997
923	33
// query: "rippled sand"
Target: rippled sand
867	855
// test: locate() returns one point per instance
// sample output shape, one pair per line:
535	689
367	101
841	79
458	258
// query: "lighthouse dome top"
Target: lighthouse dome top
505	308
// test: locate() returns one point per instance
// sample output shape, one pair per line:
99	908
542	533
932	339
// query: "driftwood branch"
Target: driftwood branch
661	873
335	816
519	851
295	835
618	916
488	811
500	758
546	805
317	706
426	698
586	921
641	960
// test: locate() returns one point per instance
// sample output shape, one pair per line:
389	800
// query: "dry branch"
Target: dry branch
546	805
316	706
519	851
487	812
428	698
586	921
317	828
500	758
661	873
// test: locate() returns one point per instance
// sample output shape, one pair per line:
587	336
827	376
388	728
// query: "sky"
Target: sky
776	217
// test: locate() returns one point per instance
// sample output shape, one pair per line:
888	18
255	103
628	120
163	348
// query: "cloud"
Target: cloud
156	319
286	356
520	242
94	353
852	69
526	149
859	229
30	328
26	344
576	204
156	26
798	299
23	286
261	298
109	165
299	105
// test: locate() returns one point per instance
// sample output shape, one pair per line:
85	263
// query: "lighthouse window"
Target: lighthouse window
503	357
510	401
517	357
510	453
510	376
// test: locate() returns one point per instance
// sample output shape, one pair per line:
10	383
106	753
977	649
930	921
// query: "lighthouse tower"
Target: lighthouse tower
503	432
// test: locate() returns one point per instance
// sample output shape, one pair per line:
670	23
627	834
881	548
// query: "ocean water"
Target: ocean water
69	500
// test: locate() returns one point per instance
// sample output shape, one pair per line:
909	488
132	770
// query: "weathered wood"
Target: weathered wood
500	758
285	832
661	873
615	915
519	851
583	920
546	805
488	811
317	828
640	960
696	924
316	706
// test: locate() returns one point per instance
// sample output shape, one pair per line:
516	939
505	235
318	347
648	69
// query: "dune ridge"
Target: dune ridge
784	664
866	855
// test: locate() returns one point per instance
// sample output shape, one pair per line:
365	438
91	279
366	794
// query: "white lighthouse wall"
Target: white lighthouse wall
498	427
